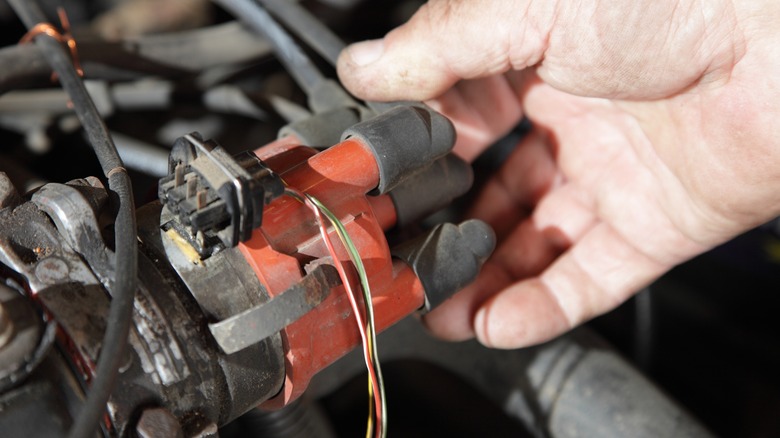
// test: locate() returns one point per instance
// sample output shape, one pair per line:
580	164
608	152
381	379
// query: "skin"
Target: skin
656	138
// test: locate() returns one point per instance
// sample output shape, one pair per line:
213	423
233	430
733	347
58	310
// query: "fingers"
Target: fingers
505	201
482	110
527	175
648	50
562	217
445	41
568	212
577	287
452	320
525	252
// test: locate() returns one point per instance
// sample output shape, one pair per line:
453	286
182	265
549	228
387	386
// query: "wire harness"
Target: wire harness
364	317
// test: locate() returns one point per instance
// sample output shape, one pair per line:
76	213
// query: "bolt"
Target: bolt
158	423
52	270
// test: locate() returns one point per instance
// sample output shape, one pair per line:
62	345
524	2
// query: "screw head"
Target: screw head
158	423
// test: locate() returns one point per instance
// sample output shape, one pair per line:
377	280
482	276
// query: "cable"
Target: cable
168	55
367	328
27	65
22	64
323	40
373	399
126	264
371	324
643	329
297	64
307	27
295	61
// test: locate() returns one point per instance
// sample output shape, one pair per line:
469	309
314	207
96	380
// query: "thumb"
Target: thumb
444	42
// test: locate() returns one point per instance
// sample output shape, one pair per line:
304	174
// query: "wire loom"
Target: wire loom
366	324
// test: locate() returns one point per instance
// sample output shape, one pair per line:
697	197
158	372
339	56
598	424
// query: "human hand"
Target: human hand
655	139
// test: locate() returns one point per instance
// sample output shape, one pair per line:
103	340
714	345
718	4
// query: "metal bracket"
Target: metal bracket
72	208
255	324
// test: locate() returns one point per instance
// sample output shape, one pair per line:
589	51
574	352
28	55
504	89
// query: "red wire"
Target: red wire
355	308
353	302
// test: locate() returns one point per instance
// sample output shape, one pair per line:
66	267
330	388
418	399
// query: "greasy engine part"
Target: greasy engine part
220	227
287	246
173	362
242	308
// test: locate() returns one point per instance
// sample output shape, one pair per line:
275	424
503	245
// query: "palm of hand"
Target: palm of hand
607	194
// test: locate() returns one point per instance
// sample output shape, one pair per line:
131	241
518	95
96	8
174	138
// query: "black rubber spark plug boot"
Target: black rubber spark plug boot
448	258
404	141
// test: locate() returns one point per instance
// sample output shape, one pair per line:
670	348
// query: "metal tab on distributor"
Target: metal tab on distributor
249	327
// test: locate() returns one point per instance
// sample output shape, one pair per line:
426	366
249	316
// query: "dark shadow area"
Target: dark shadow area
713	335
423	401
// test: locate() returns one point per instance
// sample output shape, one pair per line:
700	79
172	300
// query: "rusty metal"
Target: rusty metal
32	246
74	208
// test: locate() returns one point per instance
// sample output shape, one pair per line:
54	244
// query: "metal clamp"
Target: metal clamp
253	325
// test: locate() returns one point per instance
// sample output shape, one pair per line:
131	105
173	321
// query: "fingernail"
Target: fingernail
366	52
480	327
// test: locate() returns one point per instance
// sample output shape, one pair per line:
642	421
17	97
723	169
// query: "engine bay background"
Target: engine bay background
706	332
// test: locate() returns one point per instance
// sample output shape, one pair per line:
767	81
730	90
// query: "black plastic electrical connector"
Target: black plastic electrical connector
404	140
217	199
448	258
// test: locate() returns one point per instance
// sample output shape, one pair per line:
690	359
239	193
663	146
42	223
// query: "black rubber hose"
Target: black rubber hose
27	65
300	419
202	48
295	61
126	265
22	64
307	27
169	55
